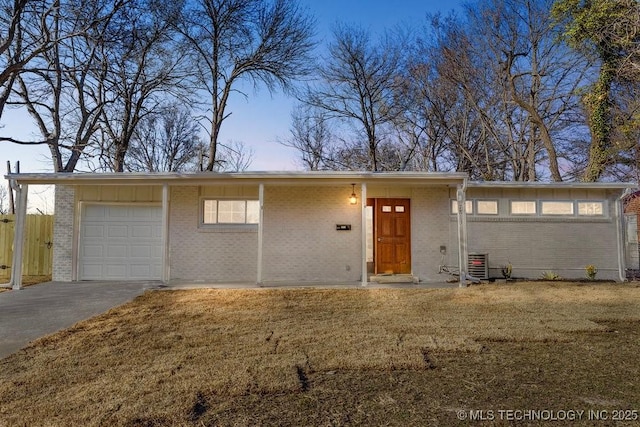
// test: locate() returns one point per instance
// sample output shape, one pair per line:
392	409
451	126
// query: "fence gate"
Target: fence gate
37	259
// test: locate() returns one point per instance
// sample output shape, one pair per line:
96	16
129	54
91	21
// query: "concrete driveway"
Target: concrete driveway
42	309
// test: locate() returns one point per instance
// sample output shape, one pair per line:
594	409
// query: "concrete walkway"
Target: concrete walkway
39	310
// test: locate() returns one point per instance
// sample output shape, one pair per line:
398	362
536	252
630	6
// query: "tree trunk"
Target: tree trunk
599	106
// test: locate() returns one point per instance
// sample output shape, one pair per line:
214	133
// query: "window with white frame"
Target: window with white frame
487	207
468	206
591	208
523	207
556	208
224	211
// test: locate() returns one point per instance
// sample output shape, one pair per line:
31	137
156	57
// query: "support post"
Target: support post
620	234
462	233
363	226
166	262
260	233
18	236
12	203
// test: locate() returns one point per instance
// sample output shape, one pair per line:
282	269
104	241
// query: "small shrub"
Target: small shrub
507	270
591	271
550	275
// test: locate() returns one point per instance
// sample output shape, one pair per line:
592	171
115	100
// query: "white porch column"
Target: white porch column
363	226
462	232
260	233
620	234
166	262
18	236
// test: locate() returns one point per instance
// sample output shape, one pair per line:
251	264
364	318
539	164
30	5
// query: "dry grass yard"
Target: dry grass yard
328	357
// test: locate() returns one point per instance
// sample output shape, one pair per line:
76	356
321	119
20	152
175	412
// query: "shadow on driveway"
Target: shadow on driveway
39	310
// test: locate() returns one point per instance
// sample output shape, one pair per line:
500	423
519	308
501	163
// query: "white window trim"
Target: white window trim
477	211
535	202
224	225
454	202
571	202
604	213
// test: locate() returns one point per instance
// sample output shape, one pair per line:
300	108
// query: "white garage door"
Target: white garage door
120	242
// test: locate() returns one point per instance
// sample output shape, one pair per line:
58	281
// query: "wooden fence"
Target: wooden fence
38	245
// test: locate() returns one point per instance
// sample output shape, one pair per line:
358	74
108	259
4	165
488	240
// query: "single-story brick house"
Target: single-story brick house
264	227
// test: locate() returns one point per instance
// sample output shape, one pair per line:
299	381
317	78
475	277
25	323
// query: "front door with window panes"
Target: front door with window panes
392	236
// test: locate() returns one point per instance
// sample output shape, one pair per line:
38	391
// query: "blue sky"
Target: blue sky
262	119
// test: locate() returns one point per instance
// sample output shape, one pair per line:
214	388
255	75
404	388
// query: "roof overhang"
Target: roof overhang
554	185
297	178
242	178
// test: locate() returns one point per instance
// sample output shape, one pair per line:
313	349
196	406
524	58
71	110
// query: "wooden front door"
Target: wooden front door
392	236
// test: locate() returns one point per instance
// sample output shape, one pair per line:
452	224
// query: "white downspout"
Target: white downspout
462	232
260	233
18	235
166	261
363	227
620	235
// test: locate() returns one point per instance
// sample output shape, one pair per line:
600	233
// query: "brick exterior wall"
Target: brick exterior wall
63	233
429	230
206	254
301	242
539	244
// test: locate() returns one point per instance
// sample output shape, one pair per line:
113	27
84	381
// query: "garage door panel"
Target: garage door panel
141	231
118	213
141	251
116	271
117	231
144	213
93	231
89	250
140	270
117	251
120	242
91	270
94	212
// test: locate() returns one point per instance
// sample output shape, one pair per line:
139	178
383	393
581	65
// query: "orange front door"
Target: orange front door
392	236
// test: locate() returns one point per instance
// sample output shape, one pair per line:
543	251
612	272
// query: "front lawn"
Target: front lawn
338	357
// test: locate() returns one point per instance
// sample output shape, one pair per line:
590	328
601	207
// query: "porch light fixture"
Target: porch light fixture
353	199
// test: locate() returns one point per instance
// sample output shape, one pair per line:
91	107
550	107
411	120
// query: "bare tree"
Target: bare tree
463	109
234	156
502	90
539	73
20	42
625	161
356	84
143	64
266	42
59	89
311	135
166	141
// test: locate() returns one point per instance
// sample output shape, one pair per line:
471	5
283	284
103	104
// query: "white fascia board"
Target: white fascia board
203	178
553	185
